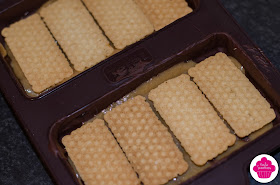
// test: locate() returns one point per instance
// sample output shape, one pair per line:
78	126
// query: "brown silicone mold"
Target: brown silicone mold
204	32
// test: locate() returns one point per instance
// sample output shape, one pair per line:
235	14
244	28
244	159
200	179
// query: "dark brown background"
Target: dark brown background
19	164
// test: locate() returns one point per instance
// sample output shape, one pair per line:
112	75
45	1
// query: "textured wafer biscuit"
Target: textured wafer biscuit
146	142
122	20
239	102
192	119
77	33
163	12
36	52
98	157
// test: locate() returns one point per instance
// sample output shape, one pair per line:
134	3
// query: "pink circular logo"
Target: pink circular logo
264	168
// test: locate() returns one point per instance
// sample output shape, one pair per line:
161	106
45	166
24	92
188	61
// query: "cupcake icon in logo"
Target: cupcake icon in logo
264	168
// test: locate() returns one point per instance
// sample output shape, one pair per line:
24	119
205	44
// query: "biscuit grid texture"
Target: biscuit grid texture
77	33
122	20
36	52
146	142
98	157
163	12
192	119
230	91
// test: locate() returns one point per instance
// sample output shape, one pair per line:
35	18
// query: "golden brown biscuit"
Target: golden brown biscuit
77	33
147	143
98	157
230	91
36	52
163	12
122	20
192	119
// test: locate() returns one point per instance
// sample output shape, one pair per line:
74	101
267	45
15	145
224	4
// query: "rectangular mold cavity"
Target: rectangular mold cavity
214	43
22	9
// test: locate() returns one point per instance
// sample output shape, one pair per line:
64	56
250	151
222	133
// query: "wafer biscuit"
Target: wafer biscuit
77	33
163	12
122	20
239	102
192	119
146	142
97	156
36	52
